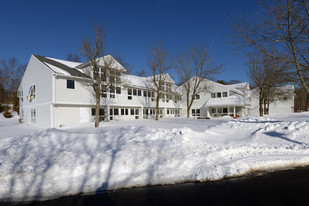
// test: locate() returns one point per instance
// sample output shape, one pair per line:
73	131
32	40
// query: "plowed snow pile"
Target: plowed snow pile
38	163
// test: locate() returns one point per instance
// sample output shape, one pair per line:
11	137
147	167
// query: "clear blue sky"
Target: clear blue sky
55	28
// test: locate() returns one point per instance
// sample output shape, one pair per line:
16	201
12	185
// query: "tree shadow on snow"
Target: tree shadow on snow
282	136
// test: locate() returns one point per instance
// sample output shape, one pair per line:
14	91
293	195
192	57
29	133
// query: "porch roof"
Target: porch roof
227	101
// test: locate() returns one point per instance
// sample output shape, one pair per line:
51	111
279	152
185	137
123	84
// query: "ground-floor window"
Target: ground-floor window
33	115
196	113
220	111
101	113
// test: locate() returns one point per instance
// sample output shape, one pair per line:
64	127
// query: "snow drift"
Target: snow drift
37	163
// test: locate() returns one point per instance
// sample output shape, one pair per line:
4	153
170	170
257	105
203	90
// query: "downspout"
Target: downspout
53	101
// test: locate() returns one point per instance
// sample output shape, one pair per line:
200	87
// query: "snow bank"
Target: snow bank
47	163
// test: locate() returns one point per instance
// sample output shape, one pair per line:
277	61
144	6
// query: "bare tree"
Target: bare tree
11	74
129	67
158	65
141	73
103	67
281	32
73	57
301	100
193	66
266	75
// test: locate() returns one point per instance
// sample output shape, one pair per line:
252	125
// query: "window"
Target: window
219	110
197	112
149	94
139	92
219	95
101	112
127	111
224	94
70	84
111	112
285	98
145	94
31	93
213	110
116	111
213	95
197	96
122	111
134	92
118	90
136	112
129	94
112	89
224	110
33	115
112	96
132	111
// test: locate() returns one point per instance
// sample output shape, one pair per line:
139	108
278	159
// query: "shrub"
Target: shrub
16	104
1	108
7	114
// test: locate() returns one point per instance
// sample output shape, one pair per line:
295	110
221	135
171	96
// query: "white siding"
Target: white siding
80	95
37	74
66	115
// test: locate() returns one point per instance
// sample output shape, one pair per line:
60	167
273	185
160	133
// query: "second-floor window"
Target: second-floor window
70	84
197	96
129	94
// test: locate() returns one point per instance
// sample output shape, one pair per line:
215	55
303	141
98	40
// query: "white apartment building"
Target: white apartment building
55	93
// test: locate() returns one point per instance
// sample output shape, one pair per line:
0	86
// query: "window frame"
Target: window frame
70	82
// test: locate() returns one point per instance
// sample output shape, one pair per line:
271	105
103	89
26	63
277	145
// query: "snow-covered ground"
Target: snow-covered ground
37	163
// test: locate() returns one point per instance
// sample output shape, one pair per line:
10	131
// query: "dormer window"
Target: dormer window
224	94
70	84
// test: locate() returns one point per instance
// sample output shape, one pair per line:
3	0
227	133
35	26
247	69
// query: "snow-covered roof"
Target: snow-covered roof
144	82
102	61
242	85
67	63
61	66
136	81
227	101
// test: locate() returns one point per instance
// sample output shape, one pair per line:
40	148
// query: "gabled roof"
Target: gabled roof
136	81
242	85
218	84
166	78
102	61
60	68
145	82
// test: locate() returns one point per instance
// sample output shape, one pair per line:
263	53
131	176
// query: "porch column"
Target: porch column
108	113
234	111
